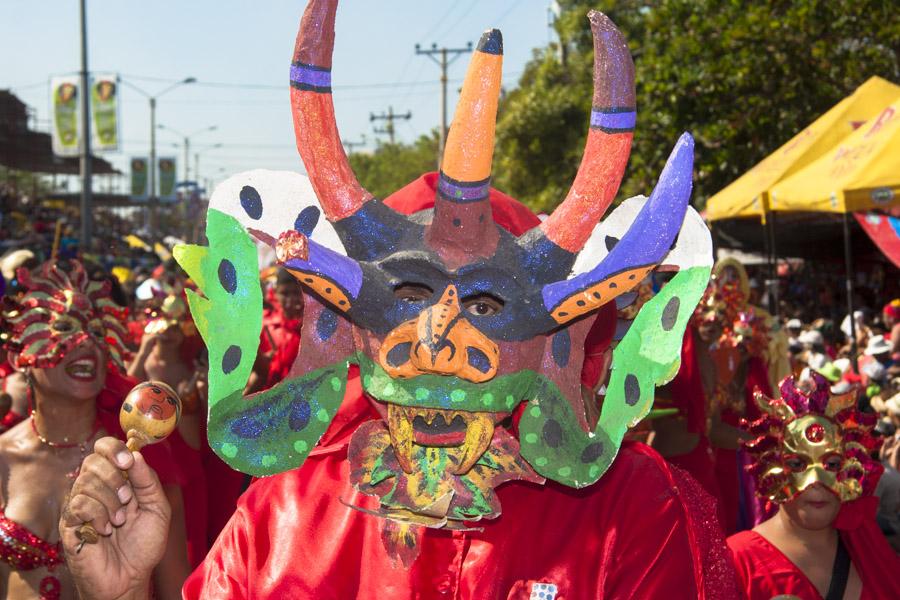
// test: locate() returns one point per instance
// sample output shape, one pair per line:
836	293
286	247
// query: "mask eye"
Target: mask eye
96	329
413	292
482	305
795	463
63	324
833	462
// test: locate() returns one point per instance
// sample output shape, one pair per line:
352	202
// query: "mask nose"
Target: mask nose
435	350
442	342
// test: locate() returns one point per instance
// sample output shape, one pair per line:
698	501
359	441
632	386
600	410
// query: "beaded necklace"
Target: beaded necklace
82	446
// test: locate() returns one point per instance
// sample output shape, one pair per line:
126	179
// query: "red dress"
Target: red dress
643	531
764	572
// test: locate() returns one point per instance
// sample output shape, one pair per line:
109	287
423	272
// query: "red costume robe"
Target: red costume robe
643	531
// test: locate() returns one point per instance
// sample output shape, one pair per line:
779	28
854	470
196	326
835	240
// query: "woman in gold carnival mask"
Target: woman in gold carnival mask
66	336
812	458
460	462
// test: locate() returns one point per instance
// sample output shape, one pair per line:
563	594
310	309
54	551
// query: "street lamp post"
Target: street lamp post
152	98
187	145
197	160
186	193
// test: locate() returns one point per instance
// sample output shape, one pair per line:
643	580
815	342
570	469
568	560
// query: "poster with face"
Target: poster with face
139	190
66	131
105	113
166	171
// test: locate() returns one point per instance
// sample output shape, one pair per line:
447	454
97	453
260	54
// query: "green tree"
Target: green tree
392	166
742	77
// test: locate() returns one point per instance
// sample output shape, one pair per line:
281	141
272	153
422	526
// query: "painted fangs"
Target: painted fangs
479	432
401	430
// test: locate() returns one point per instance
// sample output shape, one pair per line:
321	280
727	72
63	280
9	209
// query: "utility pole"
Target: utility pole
186	173
390	117
447	57
349	146
86	200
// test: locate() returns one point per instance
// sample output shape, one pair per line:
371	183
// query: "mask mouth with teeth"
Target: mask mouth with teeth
62	310
455	323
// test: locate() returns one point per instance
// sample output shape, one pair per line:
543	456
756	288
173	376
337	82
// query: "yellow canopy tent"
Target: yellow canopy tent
749	195
861	173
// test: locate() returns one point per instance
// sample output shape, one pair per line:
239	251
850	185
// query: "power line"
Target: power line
29	86
461	17
281	88
506	13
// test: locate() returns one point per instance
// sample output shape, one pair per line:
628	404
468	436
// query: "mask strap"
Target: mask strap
840	572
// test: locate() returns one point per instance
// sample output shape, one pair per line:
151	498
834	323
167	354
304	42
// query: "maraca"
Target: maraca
150	413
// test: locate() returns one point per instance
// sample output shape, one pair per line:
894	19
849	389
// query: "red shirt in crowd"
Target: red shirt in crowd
764	572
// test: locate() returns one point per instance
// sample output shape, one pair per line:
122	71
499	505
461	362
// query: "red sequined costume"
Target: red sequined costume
24	551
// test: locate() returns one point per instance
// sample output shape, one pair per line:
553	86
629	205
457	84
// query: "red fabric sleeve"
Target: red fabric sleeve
264	345
763	572
712	565
223	573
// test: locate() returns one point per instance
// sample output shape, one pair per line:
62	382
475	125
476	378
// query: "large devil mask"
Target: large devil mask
453	321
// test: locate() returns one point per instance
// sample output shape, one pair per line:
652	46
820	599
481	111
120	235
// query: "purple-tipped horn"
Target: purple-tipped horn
336	278
643	246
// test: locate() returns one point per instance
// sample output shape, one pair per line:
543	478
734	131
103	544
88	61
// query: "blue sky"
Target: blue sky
239	42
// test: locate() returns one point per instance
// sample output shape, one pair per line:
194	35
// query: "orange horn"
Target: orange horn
462	211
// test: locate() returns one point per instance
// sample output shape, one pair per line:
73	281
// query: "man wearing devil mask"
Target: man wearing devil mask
460	462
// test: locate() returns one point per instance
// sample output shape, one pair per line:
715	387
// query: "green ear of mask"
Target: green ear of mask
553	442
275	430
229	313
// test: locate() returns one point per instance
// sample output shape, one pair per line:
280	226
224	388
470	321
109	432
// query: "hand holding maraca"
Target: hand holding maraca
119	497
